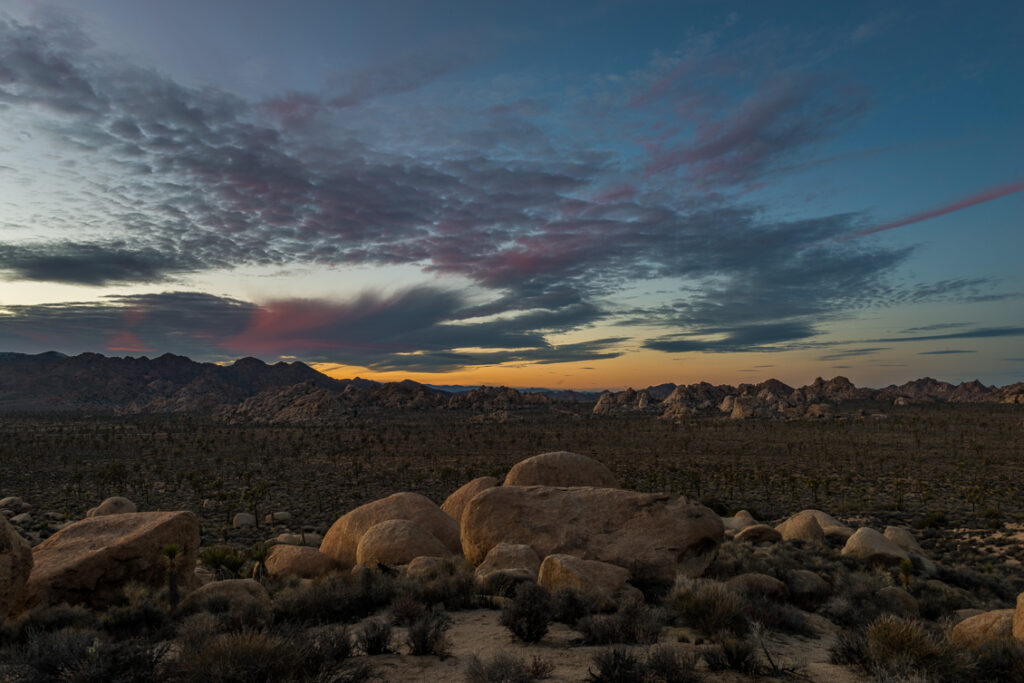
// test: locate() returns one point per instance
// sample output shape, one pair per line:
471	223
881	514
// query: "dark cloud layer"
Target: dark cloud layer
198	179
413	330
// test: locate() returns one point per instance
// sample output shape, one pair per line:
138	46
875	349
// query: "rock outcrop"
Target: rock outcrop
600	580
987	626
90	560
871	546
115	505
396	542
560	468
298	560
516	560
342	539
653	535
453	505
15	567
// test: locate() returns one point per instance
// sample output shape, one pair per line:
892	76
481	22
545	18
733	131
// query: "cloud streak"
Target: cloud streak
965	203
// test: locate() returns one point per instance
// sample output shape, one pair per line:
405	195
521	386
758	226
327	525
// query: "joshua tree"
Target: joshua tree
171	552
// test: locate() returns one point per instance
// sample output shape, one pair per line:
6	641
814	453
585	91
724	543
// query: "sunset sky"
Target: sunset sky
559	194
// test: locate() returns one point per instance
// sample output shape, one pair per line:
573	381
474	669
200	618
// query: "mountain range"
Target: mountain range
251	390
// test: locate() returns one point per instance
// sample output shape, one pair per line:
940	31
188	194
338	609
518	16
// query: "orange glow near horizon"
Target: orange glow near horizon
640	369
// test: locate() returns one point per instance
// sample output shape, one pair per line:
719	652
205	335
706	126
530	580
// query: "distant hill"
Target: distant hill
251	390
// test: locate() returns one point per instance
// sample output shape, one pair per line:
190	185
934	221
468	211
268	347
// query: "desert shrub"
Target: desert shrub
428	635
571	605
708	606
633	623
777	616
326	645
732	654
455	590
122	662
896	646
850	649
374	637
55	618
405	609
130	621
668	664
501	584
239	658
854	602
336	598
528	614
1001	659
935	519
616	665
45	654
505	668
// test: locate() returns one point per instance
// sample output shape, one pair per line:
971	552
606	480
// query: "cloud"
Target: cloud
782	118
743	338
853	353
547	225
975	333
88	264
936	326
421	329
967	202
945	352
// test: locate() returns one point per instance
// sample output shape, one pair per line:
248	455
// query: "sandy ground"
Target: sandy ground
478	632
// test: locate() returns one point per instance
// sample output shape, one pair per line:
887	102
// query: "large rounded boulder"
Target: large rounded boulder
872	547
298	560
115	505
455	503
90	560
560	468
653	535
342	539
15	566
396	542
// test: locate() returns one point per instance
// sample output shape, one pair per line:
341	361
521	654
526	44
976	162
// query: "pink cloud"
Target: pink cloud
979	198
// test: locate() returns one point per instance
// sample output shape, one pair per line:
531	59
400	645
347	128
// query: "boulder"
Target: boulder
1018	618
600	580
560	468
806	588
395	542
239	593
801	527
288	539
653	535
22	519
88	561
517	560
298	560
342	539
831	527
115	505
871	546
14	504
904	539
280	517
453	505
977	630
759	533
15	567
242	520
898	601
741	520
755	584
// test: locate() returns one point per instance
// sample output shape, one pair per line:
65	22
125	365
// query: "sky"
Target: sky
566	194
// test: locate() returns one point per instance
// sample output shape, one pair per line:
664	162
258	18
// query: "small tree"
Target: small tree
171	553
